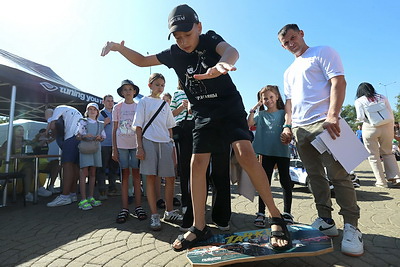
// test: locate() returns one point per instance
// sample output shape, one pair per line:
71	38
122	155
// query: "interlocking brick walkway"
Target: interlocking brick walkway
66	236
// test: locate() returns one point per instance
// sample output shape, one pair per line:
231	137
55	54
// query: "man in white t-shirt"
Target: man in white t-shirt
315	89
70	153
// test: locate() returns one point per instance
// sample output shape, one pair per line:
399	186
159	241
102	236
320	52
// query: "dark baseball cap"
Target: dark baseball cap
181	19
124	82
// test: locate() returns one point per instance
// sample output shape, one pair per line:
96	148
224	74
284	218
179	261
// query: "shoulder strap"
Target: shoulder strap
152	118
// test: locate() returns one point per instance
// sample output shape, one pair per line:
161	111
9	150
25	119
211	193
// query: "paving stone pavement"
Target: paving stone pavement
66	236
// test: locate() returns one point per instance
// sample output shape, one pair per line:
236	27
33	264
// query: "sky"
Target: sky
68	35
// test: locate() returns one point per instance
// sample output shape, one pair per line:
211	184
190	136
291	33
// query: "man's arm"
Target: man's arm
229	56
338	91
131	55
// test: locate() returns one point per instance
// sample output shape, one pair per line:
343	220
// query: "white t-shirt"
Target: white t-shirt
124	113
158	129
306	83
71	117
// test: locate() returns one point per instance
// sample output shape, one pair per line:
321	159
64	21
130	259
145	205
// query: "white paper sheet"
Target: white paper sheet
346	148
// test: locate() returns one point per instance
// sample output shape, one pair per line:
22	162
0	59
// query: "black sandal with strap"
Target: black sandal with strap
282	234
200	236
123	216
140	213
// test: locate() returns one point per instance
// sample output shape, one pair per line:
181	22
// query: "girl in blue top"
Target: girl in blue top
267	144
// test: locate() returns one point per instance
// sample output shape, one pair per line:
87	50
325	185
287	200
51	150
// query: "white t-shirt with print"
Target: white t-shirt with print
158	129
124	113
306	83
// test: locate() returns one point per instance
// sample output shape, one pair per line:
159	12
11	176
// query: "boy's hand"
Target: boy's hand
217	70
111	46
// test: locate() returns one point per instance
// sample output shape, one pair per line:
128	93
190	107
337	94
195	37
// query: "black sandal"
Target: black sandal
161	204
123	216
176	202
282	234
200	236
140	213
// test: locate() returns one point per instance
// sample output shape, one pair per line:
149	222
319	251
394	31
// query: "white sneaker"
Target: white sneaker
326	228
43	192
60	201
155	223
352	243
73	197
172	216
29	197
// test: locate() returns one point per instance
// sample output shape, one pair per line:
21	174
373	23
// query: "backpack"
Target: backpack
377	114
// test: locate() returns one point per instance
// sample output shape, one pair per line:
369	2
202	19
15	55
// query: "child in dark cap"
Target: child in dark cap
201	62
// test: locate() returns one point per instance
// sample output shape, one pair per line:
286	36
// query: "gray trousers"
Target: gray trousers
314	162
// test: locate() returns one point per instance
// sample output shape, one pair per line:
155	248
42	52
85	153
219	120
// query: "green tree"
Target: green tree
349	114
397	111
3	119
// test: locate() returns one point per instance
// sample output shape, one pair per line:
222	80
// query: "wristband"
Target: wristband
252	111
287	126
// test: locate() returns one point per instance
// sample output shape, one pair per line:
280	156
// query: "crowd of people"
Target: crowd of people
193	134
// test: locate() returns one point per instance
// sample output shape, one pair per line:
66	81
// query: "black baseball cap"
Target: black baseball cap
124	82
181	19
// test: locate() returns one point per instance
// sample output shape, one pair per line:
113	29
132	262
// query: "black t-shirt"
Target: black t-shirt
212	98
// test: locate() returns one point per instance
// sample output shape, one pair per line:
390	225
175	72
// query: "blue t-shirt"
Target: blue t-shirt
107	128
359	135
267	139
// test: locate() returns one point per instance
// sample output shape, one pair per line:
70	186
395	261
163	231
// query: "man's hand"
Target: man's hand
111	46
217	70
286	136
331	124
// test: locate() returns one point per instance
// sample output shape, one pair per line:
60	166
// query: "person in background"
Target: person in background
160	202
218	179
88	130
359	133
124	147
183	137
66	140
156	149
315	88
396	131
377	139
267	144
109	166
42	145
25	166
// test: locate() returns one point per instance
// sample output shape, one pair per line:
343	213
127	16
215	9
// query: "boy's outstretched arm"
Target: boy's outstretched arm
229	56
131	55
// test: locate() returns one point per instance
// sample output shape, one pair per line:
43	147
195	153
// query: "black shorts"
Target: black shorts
212	135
